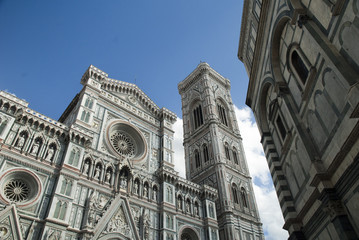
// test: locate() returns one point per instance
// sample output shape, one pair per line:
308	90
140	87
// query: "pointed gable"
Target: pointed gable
117	222
9	224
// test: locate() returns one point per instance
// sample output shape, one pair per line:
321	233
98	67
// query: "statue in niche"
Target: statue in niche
20	141
86	167
123	180
179	203
196	210
97	172
188	207
50	153
35	147
108	177
145	191
155	194
136	187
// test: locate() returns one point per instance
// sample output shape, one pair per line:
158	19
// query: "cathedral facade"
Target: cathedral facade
105	169
302	60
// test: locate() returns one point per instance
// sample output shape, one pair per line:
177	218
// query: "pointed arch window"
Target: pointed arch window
205	153
89	102
85	116
197	116
169	194
235	155
197	159
235	194
74	157
222	114
60	210
226	149
66	187
244	198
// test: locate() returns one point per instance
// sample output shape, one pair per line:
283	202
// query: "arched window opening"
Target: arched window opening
205	153
87	118
83	115
169	194
197	159
235	156
89	102
3	124
244	198
197	116
235	194
299	66
226	149
222	114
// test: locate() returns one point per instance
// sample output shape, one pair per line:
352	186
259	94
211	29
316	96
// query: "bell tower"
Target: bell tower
214	152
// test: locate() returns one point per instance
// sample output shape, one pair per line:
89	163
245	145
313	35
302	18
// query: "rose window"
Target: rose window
123	143
16	190
126	140
20	186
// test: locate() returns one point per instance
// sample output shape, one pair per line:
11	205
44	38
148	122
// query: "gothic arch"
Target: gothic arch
263	120
223	112
188	233
279	26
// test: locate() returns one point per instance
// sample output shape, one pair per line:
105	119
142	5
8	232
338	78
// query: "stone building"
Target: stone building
302	60
214	152
104	170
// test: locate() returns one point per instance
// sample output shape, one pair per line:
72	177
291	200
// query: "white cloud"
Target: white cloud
266	198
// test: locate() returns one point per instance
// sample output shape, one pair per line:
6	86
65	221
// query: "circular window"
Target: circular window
123	143
17	190
126	140
20	186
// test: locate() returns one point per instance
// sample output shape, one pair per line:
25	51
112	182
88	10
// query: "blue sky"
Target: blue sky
45	47
155	44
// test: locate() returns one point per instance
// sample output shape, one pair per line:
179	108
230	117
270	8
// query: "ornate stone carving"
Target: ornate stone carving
119	223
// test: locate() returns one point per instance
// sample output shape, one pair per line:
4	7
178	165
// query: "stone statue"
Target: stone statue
35	147
108	177
86	168
123	182
50	154
136	188
196	210
97	172
188	207
20	142
145	191
154	194
179	203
